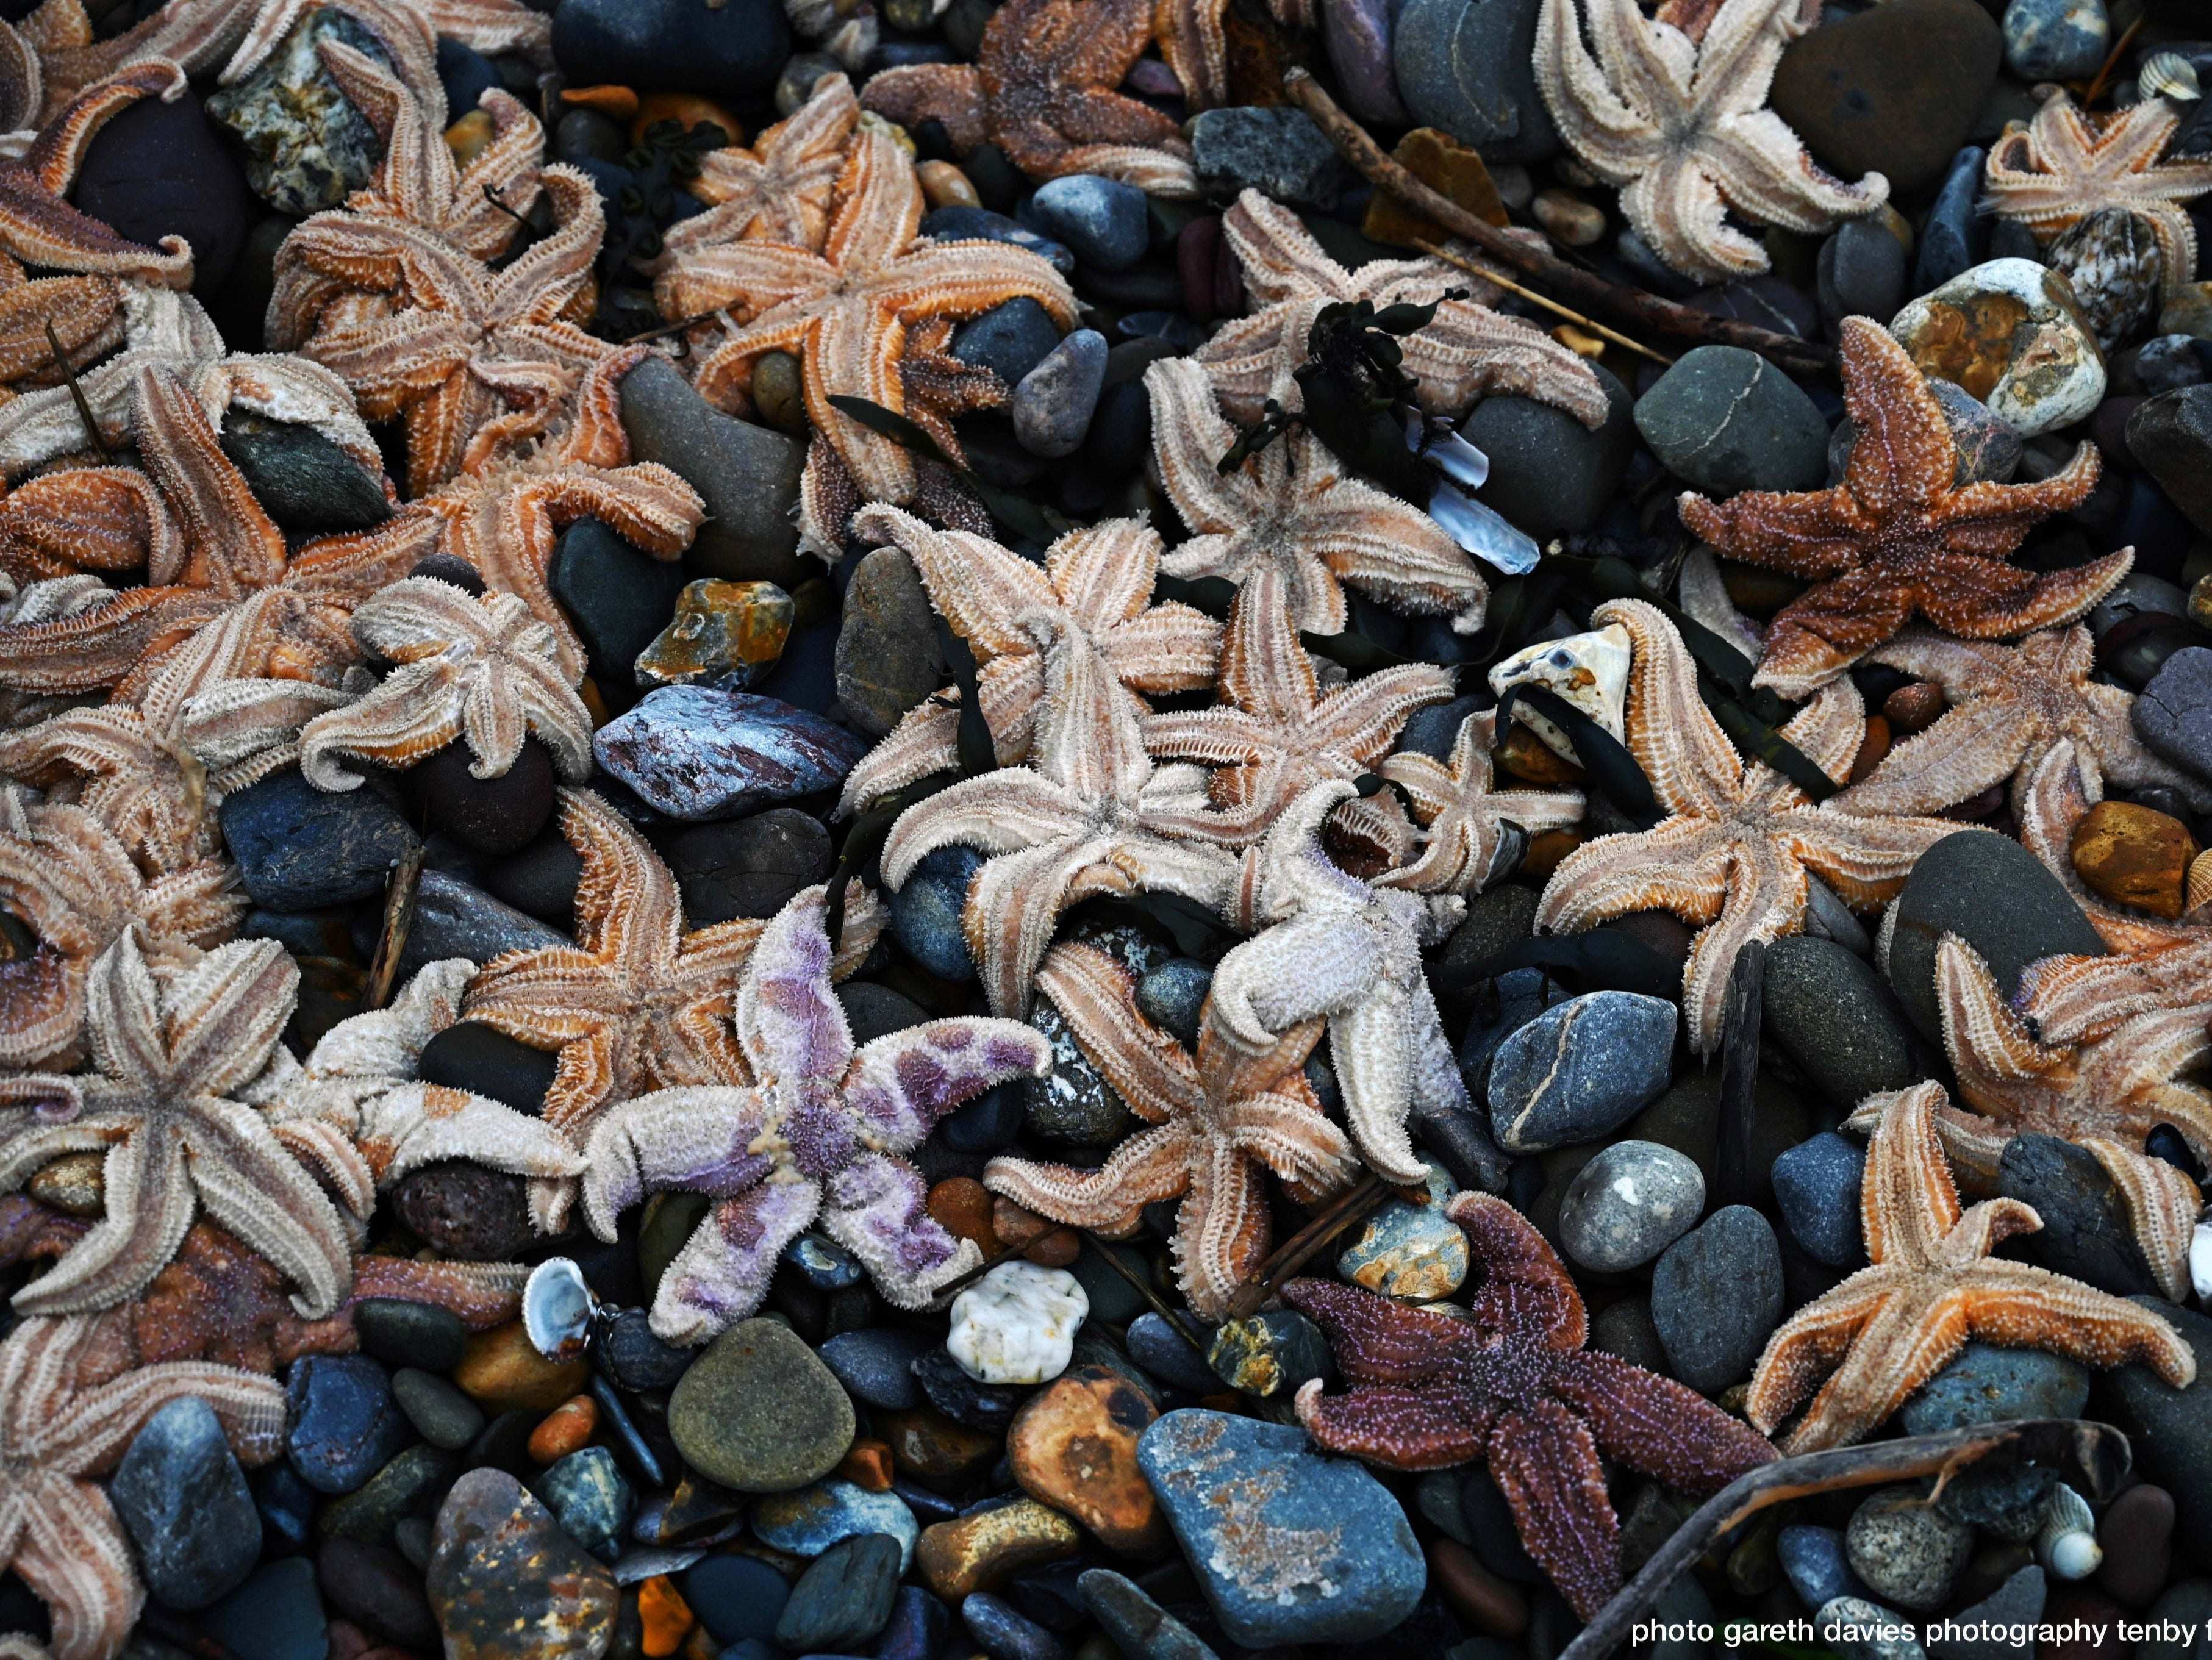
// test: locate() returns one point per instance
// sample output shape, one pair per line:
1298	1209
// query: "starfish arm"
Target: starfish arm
1865	859
1312	965
754	278
1152	1165
1150	1070
2162	1205
787	1018
1545	1461
696	1139
2103	725
901	1086
1223	1227
2061	788
405	1128
1383	546
1823	631
1656	1425
721	1274
2003	1071
1371	1042
1982	599
73	1554
1390	1425
1681	866
1675	206
2071	999
1681	747
1104	572
1013	905
1470	351
2015	1304
926	740
976	586
1615	137
96	1425
1524	1285
1378	1342
148	1206
1290	1137
1830	731
912	93
1169	648
876	1208
412	715
2128	1079
1974	745
966	279
248	1183
1909	1336
1153	168
40	227
1907	1202
999	813
1248	358
1189	437
1761	167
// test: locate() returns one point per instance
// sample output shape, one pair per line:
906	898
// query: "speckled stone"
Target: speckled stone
1413	1252
1906	1549
306	147
697	753
1628	1204
758	1412
2012	333
1716	1296
811	1519
508	1584
1578	1071
1271	1354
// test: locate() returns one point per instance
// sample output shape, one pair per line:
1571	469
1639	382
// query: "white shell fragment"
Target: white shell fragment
1589	670
2067	1543
1017	1324
556	1309
2200	1255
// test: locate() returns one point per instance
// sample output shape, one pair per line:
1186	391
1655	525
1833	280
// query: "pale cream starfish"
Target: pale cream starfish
1295	508
779	190
1731	856
1672	110
1464	820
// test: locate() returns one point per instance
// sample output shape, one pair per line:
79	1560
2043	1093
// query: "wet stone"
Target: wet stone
2111	260
1072	1103
1716	1295
467	1210
747	867
2085	1233
1073	1446
376	1588
1102	220
735	1597
1828	1009
1279	152
926	912
1139	1627
303	480
182	1497
723	634
757	1412
503	1370
1955	236
1465	68
403	1333
472	1056
1816	1188
747	475
306	147
1015	1325
1052	407
876	1365
1575	1072
409	1484
1816	1565
1727	420
979	1550
1628	1204
2012	333
1413	1252
1548	472
343	1423
844	1597
508	1584
1010	339
1270	1353
1906	1551
1173	997
638	1360
1157	1348
618	596
439	1413
813	1519
2055	40
695	754
275	1615
592	1499
299	848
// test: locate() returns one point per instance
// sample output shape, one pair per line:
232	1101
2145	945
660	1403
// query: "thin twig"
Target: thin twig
1451	258
2112	62
2095	1455
1295	1252
1587	287
1144	1290
399	893
76	395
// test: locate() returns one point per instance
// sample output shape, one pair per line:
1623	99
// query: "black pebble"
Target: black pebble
160	169
473	1056
403	1333
492	815
540	881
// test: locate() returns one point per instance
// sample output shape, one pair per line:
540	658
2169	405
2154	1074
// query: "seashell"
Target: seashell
556	1309
2169	75
2112	260
2200	881
2066	1544
2200	1260
1589	670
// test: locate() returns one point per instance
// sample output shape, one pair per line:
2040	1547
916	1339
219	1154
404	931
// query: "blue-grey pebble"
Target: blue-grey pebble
1139	1627
1173	995
1816	1188
1155	1345
1580	1070
809	1520
1716	1295
989	1123
635	1358
591	1498
735	1596
2056	39
1053	405
1831	1012
275	1614
822	1262
1956	237
1908	1551
916	1629
183	1499
926	912
876	1365
2015	1604
959	224
299	848
1279	152
439	1411
947	1386
285	1504
1987	1384
844	1599
1104	221
342	1422
1523	993
1628	1204
697	753
1814	1562
1860	272
1010	339
1005	1632
1727	420
2085	1235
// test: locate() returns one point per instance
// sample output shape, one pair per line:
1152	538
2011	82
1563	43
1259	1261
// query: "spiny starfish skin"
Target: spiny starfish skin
779	190
1194	40
1895	537
1042	89
819	1133
1511	1384
57	1530
2062	787
1213	1121
1294	508
1932	1284
1466	351
38	225
1333	946
1672	110
1731	856
2065	165
1462	818
480	668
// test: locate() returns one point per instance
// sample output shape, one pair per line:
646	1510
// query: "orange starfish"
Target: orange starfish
1896	537
779	190
38	227
1464	820
1933	1283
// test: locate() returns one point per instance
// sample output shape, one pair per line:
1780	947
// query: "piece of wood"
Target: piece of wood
1295	1252
1740	1010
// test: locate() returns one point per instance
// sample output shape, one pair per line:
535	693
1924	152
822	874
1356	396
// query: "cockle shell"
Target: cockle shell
2067	1543
2169	75
1589	670
556	1309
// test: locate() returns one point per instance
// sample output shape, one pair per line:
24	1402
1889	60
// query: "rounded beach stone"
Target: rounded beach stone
1074	1447
757	1411
1906	1549
1716	1295
1017	1324
1628	1204
500	1566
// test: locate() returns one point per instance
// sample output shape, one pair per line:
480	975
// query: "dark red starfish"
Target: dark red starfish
1512	1383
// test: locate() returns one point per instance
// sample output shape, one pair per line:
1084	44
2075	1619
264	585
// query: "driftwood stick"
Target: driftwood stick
2091	1456
399	894
1452	258
1295	1252
1586	288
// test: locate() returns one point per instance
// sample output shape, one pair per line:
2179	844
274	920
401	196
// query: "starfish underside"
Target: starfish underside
1462	818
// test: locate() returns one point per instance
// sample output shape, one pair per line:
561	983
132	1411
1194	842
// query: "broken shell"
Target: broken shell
556	1309
2200	1260
2067	1543
1590	671
2169	75
2200	881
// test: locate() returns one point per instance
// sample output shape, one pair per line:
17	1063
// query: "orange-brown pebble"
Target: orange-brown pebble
1056	1250
595	704
568	1428
665	1616
944	185
1491	1604
1913	708
1074	1447
501	1369
1530	759
960	1205
699	1643
2134	855
1872	748
1441	162
976	1553
1016	1224
469	136
617	103
685	106
1546	851
867	1465
926	1443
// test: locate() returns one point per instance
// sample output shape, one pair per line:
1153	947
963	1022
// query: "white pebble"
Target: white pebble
1017	1324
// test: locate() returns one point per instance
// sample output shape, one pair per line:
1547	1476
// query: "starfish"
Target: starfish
478	667
1213	1120
86	314
1194	41
57	1530
1731	855
1932	1284
1076	822
779	190
1511	1384
2061	790
1099	579
818	1133
638	1002
1275	734
2009	706
2066	165
1042	89
72	881
1463	819
846	311
1672	110
1295	509
1466	351
1895	537
168	1058
2107	1092
1336	946
38	225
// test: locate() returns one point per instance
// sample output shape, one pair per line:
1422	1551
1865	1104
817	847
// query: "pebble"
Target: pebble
1104	221
1137	1625
1161	1351
747	475
344	1424
1906	1550
1894	90
1278	151
1466	66
1006	1632
1550	474
989	1123
567	1427
1716	1295
1017	1324
2170	361
876	1365
618	595
376	1588
747	867
440	1414
275	1614
2011	333
159	168
730	634
1576	1072
814	1518
1726	420
1994	894
1113	1299
1816	1188
1173	997
757	1412
508	1584
454	918
1289	1547
1271	1354
466	1210
1628	1204
182	1500
303	480
410	1483
299	848
2133	855
1859	1630
2187	1604
1955	236
1860	271
979	1550
2110	261
736	1597
403	1333
1816	1565
695	753
779	391
1829	1011
1357	35
1053	405
737	50
1479	1596
2170	436
540	881
592	1499
2055	40
2014	1605
501	1371
1073	1102
1570	219
1409	1251
2085	1233
887	657
2137	1534
917	1628
306	148
1987	1384
1074	1447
